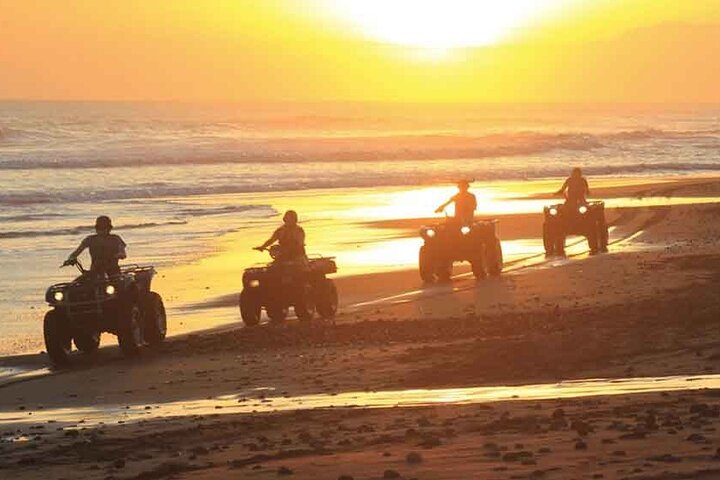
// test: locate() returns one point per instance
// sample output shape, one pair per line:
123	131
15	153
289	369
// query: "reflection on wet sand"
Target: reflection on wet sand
345	224
261	400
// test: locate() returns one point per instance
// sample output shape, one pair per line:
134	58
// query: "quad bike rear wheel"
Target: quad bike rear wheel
130	332
305	304
592	239
86	342
604	236
57	338
250	308
326	298
559	243
425	265
154	319
478	268
494	257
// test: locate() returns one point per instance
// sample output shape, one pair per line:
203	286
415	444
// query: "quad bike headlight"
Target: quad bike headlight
59	296
430	232
110	289
254	283
465	230
553	211
582	209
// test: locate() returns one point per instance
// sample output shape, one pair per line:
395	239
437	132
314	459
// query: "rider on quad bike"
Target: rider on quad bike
291	239
575	189
460	239
106	298
577	216
465	204
290	280
106	249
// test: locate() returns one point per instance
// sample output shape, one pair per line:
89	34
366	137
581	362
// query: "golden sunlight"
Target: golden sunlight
442	24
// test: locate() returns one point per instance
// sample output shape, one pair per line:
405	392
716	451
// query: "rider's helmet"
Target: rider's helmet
290	217
103	223
576	172
463	185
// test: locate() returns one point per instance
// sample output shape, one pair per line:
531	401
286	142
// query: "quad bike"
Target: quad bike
452	241
585	219
279	285
93	303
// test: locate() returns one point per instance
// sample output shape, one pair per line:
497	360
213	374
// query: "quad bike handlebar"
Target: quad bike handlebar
74	262
273	250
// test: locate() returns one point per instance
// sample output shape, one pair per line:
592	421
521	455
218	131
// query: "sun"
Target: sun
441	24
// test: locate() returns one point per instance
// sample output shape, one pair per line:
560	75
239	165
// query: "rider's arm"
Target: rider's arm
587	187
444	205
301	237
563	188
270	241
122	253
76	253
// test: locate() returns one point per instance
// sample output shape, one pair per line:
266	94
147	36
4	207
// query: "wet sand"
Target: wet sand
648	309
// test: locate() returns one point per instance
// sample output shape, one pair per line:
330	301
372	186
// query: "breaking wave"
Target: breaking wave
128	151
86	229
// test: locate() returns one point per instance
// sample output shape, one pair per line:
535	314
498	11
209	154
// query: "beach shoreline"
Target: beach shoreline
647	309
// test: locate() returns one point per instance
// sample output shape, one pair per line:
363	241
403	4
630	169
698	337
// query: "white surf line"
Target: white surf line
259	402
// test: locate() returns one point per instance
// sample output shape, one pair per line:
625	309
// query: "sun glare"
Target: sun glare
442	24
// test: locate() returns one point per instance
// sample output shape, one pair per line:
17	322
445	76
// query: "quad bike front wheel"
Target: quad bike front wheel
444	272
154	319
58	341
130	332
326	298
548	240
277	313
86	342
250	308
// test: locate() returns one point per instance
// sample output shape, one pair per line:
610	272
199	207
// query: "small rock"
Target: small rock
413	457
391	474
284	471
430	441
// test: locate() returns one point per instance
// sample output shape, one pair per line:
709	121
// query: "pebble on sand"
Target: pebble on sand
413	457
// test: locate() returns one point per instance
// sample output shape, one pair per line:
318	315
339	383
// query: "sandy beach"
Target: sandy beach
399	360
173	144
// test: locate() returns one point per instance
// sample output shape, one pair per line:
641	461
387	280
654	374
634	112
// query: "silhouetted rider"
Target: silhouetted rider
465	204
106	249
291	238
575	188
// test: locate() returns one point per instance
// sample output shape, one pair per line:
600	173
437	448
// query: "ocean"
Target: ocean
177	178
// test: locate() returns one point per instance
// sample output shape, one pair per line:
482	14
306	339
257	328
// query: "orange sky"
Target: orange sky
308	50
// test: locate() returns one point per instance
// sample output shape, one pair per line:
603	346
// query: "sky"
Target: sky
586	51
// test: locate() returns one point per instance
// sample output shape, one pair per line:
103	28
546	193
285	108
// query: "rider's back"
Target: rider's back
104	252
292	242
465	205
577	189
